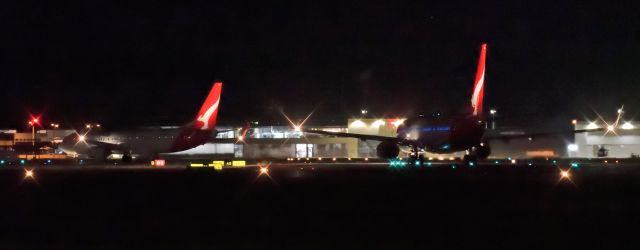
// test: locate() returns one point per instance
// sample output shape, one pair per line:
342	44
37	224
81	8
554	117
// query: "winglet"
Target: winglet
478	86
206	118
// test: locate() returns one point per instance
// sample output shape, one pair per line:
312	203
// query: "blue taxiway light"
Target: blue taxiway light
397	163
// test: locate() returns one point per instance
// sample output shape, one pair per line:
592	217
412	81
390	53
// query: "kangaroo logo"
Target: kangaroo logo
205	118
475	102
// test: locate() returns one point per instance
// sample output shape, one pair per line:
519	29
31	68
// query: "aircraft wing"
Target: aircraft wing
519	135
402	142
352	135
110	146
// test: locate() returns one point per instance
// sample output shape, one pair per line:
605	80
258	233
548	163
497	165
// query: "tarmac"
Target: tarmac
322	206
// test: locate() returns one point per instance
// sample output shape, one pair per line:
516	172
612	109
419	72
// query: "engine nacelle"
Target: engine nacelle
388	150
483	151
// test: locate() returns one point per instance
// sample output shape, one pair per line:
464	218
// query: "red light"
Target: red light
34	120
159	163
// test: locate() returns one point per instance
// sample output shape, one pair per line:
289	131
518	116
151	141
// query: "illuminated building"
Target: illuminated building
622	141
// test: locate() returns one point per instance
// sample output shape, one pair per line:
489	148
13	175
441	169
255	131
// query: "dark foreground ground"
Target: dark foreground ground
322	208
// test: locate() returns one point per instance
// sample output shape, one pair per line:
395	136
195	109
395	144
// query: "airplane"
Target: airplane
440	135
150	142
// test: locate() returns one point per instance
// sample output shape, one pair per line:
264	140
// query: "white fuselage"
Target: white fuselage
146	143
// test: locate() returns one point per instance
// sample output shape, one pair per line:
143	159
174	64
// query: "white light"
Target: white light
297	128
619	111
378	123
493	111
81	138
627	125
264	170
28	173
241	138
572	147
397	122
592	125
364	111
513	161
358	124
564	174
610	128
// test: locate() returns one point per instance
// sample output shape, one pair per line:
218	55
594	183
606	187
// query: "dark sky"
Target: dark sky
129	63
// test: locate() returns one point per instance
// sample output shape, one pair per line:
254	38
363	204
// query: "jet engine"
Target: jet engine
99	153
483	151
388	150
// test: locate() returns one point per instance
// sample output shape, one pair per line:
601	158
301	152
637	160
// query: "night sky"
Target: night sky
144	63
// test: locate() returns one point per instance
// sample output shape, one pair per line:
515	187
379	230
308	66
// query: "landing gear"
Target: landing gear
415	158
482	151
470	160
479	152
127	158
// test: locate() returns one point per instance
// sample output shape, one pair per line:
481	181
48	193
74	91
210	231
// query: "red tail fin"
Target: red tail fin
478	87
243	132
206	118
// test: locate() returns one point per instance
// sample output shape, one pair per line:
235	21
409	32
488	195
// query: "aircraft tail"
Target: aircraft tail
478	86
243	132
206	118
201	129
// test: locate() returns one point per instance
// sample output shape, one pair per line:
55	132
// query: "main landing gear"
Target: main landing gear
415	158
479	152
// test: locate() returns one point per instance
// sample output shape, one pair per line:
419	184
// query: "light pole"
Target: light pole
33	122
493	112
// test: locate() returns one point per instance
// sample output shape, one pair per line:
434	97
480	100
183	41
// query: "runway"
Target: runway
320	206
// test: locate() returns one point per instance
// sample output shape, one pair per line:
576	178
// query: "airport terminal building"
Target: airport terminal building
280	142
621	141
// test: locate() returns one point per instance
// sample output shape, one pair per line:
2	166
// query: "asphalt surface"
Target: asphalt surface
322	206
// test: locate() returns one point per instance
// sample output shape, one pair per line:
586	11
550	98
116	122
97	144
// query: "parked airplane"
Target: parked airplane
147	143
437	134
